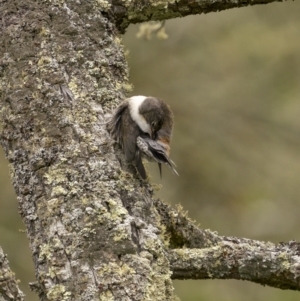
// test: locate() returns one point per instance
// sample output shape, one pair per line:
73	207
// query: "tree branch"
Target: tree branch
129	12
203	254
9	289
233	258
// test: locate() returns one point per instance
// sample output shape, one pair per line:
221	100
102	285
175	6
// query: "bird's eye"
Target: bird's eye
153	124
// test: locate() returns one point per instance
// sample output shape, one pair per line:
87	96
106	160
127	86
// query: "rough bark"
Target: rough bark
242	259
94	231
196	253
9	289
136	11
92	228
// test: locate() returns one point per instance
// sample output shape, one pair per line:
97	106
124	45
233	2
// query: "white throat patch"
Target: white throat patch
134	105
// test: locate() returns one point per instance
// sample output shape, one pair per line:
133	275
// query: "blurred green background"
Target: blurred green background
233	81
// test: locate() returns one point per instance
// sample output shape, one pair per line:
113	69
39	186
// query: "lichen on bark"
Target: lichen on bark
70	185
94	229
9	289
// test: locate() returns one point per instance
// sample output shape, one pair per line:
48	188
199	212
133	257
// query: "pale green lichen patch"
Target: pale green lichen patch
117	211
45	252
106	296
52	272
44	60
283	255
158	285
58	191
74	86
55	176
285	258
286	265
58	293
56	243
114	215
121	233
116	271
152	244
45	32
190	254
103	4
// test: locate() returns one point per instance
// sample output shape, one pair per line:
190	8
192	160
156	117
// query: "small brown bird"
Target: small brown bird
142	126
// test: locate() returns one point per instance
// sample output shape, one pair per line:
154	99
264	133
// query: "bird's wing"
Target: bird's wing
132	153
114	126
130	133
125	132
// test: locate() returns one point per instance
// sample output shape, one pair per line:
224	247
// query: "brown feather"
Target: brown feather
125	132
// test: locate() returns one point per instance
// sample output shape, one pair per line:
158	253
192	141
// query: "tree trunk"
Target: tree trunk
9	290
94	230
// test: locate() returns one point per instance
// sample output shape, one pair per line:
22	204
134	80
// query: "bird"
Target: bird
142	126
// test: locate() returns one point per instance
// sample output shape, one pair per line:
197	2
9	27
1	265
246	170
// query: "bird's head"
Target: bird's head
151	114
155	120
